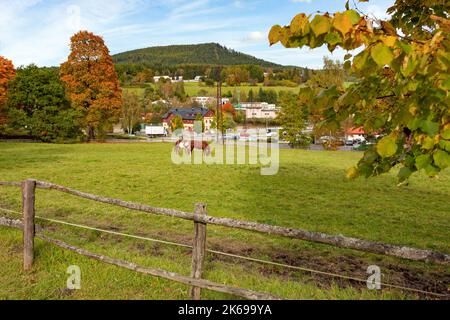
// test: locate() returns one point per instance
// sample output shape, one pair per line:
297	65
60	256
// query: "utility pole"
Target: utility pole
219	118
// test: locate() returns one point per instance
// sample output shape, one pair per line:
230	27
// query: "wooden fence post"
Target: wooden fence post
28	210
198	253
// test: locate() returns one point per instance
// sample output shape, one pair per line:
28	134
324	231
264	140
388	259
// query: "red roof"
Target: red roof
356	131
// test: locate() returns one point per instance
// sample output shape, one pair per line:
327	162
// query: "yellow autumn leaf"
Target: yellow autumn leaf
274	34
389	40
320	25
342	23
299	24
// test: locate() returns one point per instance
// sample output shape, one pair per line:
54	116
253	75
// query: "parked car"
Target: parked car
363	146
349	142
231	136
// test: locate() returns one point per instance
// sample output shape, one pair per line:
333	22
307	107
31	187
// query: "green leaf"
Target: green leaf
404	174
333	38
360	60
365	169
446	83
423	161
382	54
414	124
320	25
446	134
408	66
406	47
442	159
428	143
431	170
370	156
445	145
430	127
387	146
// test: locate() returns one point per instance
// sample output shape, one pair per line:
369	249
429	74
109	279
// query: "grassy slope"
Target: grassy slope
192	89
309	192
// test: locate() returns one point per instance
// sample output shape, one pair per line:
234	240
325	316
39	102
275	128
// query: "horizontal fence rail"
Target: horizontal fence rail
200	283
340	241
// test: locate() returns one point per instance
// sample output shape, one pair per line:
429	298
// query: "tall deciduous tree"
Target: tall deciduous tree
404	80
91	82
37	106
132	110
177	123
332	75
293	117
7	73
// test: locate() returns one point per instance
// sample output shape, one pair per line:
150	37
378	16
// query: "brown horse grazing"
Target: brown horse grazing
189	146
200	145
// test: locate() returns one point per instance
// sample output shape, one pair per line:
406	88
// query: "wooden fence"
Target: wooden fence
201	220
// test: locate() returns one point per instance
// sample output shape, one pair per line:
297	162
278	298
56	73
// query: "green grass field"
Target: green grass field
193	89
309	192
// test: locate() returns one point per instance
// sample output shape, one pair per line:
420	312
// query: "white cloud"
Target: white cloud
41	34
255	36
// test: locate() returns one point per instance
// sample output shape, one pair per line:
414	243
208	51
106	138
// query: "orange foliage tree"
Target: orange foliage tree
92	84
7	73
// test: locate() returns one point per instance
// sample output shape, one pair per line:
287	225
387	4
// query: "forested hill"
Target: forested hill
207	54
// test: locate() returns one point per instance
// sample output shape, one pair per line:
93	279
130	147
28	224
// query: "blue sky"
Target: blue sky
38	31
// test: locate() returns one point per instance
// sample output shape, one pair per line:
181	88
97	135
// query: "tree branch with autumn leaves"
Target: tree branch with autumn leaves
400	59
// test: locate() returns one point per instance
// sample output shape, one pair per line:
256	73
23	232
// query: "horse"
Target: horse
200	145
189	146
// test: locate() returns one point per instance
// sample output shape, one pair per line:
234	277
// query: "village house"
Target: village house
171	79
195	80
259	110
204	101
188	115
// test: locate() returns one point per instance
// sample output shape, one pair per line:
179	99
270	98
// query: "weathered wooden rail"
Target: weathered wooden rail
195	282
201	220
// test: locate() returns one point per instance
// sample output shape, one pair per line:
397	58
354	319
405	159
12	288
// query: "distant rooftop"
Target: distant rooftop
187	113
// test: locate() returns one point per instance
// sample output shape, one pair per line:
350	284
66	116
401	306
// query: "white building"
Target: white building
172	79
204	101
260	110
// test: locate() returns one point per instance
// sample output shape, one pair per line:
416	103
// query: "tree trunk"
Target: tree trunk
90	133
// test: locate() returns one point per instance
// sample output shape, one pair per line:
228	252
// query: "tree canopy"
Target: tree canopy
402	92
37	106
7	73
91	82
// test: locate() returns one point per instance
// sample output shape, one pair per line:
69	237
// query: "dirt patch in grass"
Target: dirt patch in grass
341	264
329	260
